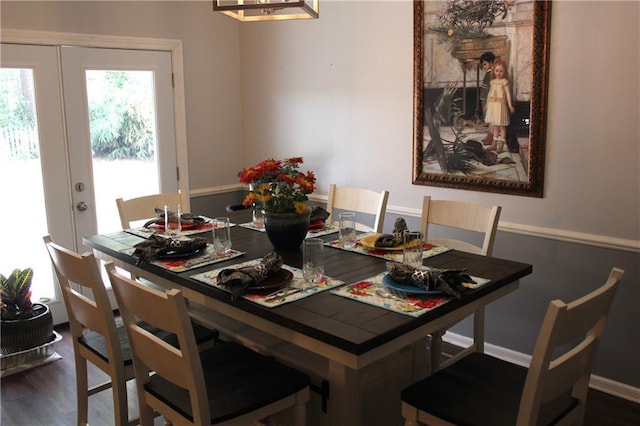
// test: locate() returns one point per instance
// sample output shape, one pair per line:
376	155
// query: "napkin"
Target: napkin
156	245
450	281
238	280
394	239
185	219
318	213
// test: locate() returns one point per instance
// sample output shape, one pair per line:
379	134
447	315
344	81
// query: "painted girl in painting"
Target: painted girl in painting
499	105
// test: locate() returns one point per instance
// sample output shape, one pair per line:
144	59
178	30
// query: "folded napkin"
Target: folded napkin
238	280
157	245
318	213
394	239
185	219
449	281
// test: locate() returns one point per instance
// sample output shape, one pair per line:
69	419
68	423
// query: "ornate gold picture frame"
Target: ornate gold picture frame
453	146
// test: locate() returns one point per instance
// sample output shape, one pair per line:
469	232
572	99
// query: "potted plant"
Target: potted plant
463	26
282	191
24	325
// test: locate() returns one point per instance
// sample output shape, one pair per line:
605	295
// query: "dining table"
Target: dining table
359	349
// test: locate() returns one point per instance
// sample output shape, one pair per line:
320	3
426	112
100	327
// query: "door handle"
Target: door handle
82	206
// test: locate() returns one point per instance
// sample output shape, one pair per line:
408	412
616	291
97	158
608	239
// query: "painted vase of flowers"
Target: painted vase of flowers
282	190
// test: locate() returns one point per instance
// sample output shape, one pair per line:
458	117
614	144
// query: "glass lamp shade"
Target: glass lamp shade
267	10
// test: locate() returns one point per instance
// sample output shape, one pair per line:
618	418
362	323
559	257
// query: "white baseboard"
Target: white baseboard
602	384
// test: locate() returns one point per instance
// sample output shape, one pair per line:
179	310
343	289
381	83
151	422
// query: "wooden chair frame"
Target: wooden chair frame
141	208
561	362
94	314
359	200
470	217
180	366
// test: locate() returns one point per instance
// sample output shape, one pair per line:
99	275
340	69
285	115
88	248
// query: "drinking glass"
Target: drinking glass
412	251
172	224
221	235
313	260
348	229
257	216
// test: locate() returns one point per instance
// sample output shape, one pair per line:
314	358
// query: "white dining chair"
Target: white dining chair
483	390
359	200
456	216
228	384
143	208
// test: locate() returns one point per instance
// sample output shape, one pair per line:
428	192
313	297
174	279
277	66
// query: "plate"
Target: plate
179	254
317	224
369	241
406	288
274	282
185	226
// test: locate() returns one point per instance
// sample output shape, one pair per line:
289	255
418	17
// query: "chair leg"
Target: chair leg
82	391
120	402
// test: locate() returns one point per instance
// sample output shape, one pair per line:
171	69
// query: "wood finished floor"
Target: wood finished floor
46	396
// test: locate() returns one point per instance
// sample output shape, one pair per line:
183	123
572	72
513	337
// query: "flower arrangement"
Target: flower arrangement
278	186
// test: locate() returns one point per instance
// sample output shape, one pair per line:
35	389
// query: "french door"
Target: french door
80	128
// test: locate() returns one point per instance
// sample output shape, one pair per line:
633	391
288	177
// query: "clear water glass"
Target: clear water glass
412	251
221	235
313	260
172	223
348	237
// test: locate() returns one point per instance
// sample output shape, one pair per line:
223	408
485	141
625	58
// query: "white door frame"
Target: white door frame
125	42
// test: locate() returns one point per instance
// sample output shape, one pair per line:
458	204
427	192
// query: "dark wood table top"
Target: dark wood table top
349	325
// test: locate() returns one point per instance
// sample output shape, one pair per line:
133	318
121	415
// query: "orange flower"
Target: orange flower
278	186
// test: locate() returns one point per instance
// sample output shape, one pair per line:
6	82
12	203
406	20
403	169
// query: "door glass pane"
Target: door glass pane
23	215
123	139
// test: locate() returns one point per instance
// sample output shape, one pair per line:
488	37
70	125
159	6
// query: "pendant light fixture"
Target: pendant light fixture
267	10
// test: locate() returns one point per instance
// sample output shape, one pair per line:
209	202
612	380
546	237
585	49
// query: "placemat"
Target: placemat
429	250
325	230
207	257
368	291
298	282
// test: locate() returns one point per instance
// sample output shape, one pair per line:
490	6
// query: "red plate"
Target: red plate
185	226
316	224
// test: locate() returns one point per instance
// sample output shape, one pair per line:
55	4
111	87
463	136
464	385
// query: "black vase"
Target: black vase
286	231
27	333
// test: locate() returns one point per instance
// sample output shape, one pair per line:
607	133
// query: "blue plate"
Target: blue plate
406	288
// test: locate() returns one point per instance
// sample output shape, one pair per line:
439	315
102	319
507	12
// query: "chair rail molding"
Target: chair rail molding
603	241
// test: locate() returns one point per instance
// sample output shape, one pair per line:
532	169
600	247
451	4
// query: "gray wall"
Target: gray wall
338	91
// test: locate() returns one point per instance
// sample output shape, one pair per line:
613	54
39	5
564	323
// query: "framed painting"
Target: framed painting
480	94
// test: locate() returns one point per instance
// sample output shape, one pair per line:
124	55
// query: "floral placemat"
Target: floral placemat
374	292
207	257
325	230
429	250
146	232
295	290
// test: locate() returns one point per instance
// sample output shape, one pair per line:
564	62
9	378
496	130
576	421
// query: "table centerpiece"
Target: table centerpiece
282	191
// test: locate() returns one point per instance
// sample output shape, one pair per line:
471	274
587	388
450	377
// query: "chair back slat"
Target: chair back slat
143	208
359	200
461	215
82	271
